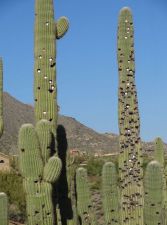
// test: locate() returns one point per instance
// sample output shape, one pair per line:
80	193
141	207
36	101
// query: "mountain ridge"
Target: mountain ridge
79	136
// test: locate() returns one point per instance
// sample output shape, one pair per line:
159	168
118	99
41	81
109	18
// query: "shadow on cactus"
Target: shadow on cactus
64	199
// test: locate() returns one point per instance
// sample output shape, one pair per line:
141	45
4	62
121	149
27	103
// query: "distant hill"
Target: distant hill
79	136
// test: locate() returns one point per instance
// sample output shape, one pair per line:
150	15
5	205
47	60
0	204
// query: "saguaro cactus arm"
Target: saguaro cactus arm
153	185
62	26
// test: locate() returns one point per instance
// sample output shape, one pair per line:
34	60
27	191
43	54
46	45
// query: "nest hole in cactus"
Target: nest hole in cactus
51	91
53	65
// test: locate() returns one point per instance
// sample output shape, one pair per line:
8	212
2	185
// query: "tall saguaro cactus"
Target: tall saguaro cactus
47	30
39	165
130	157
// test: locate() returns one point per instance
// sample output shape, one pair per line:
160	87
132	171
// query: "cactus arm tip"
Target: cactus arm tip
62	26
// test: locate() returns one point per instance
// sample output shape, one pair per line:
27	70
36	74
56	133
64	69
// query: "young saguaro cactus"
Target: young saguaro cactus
153	184
130	157
84	204
46	33
110	193
39	171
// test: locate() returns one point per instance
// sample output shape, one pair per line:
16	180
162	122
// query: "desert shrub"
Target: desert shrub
95	182
94	166
11	184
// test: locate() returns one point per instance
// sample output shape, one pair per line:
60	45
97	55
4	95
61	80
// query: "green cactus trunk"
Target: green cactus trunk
84	204
3	209
110	194
130	157
45	88
153	199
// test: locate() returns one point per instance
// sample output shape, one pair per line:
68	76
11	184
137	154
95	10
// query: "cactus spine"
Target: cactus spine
46	33
153	184
130	157
84	205
110	193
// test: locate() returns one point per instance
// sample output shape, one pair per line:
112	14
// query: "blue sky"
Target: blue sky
87	60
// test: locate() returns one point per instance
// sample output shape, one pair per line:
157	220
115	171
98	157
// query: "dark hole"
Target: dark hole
50	90
53	64
23	150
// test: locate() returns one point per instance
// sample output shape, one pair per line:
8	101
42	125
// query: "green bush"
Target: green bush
11	184
94	166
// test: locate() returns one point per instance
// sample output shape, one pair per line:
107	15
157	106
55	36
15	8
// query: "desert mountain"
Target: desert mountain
79	136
